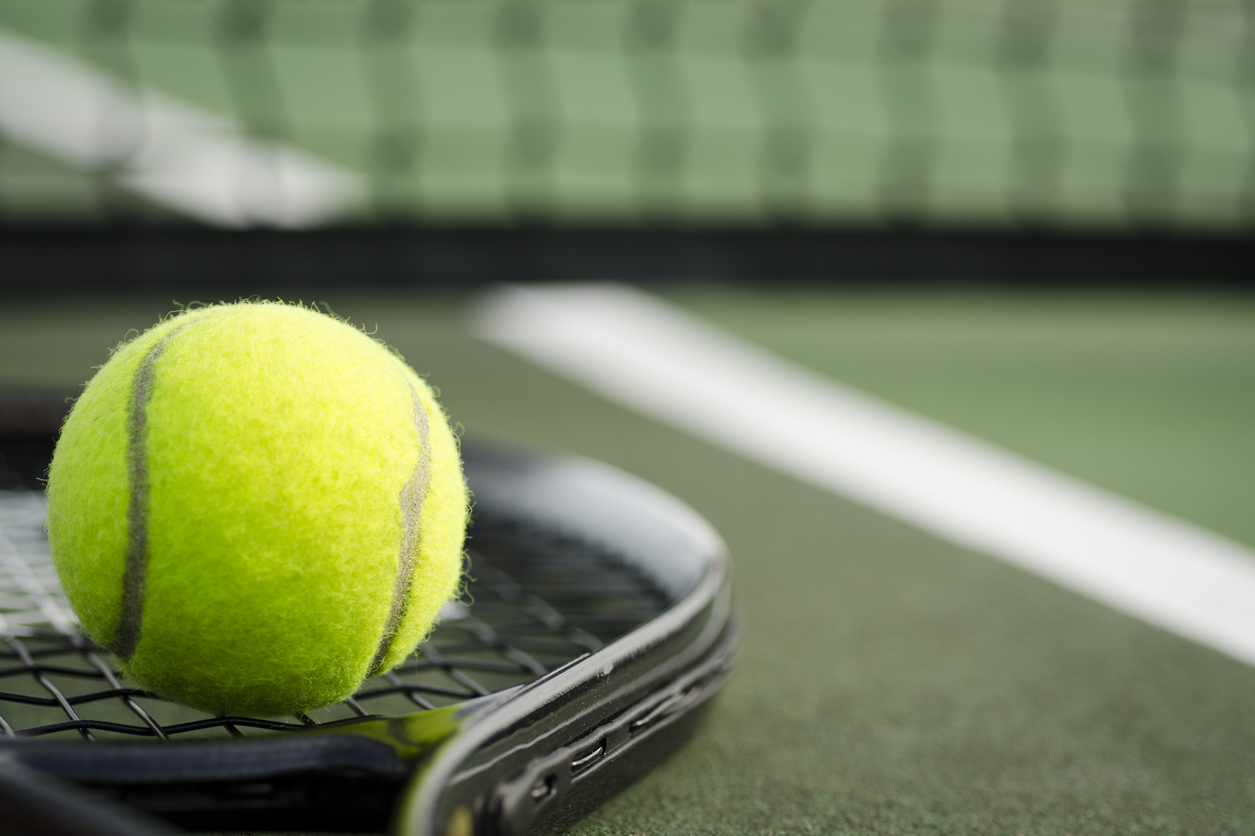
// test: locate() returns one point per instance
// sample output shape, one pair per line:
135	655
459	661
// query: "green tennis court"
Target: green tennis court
892	681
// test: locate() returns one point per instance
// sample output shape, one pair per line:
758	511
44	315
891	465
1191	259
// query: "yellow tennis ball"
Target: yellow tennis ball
255	507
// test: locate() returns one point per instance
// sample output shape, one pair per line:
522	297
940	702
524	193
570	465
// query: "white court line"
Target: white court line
638	351
176	154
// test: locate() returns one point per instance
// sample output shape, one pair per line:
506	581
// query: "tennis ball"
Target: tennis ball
255	507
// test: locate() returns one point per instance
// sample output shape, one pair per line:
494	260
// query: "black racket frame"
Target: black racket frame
533	757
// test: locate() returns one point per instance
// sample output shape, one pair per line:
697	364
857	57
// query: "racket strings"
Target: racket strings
536	601
553	580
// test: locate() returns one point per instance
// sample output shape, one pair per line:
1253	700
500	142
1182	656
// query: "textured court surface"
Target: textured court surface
892	682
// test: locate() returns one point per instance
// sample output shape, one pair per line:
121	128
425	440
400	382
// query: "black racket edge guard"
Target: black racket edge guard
564	734
568	782
582	732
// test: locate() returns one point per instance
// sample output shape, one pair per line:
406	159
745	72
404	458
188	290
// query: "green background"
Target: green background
1069	113
891	682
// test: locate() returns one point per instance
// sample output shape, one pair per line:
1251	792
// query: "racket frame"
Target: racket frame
544	752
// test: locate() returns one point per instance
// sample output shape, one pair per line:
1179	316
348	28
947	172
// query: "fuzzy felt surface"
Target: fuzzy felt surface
277	445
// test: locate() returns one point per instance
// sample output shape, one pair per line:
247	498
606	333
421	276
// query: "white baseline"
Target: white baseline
178	155
634	349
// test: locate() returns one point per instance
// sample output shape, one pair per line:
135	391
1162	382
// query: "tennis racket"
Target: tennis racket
597	624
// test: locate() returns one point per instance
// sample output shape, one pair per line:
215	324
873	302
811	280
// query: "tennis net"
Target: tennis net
1067	114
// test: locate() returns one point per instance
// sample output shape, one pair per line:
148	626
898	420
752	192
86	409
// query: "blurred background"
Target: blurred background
1114	140
906	200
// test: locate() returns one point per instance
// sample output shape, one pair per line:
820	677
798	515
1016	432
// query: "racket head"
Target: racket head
596	602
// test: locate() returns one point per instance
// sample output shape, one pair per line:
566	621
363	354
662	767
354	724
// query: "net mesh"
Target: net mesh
536	601
301	112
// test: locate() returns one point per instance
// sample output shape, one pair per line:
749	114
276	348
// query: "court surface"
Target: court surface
891	680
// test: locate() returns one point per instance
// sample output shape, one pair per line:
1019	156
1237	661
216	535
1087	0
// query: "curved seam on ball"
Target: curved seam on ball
413	495
135	579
